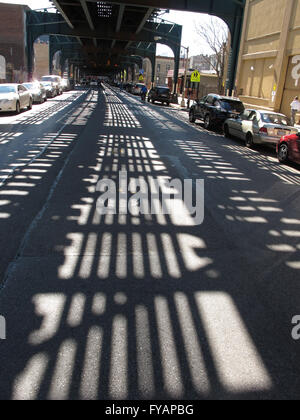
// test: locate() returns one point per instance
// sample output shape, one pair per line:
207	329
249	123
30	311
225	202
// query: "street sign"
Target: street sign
195	77
141	78
142	71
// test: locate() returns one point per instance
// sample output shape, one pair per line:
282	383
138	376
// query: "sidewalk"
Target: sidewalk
179	107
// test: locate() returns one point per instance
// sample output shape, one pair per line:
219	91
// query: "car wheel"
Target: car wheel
168	103
30	104
249	141
283	153
207	122
226	131
192	117
18	107
153	101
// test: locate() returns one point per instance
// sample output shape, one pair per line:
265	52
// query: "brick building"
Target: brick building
163	67
13	61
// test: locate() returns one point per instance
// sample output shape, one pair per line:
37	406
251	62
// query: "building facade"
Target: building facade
268	74
41	58
162	68
13	61
201	62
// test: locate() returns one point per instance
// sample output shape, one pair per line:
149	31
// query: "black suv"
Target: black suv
160	94
215	109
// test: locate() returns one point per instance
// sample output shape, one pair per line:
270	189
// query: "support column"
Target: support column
234	53
176	50
30	57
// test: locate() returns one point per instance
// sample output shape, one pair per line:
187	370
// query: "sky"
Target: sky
186	19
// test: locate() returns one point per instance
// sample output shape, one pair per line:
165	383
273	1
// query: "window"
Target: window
232	106
210	100
252	116
274	119
158	68
246	114
7	89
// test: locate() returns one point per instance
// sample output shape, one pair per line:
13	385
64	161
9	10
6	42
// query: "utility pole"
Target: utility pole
185	76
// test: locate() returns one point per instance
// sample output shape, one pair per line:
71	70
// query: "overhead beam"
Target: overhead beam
104	32
120	17
62	12
87	14
146	17
79	40
183	5
119	22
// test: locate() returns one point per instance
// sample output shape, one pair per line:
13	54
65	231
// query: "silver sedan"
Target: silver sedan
38	92
258	127
14	97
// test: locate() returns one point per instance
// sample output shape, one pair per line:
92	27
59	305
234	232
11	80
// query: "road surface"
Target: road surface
143	306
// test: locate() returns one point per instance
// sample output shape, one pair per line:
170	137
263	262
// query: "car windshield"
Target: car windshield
49	79
163	91
29	85
275	119
232	106
46	83
7	89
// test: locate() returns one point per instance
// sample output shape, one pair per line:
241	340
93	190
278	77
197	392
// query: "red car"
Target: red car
288	149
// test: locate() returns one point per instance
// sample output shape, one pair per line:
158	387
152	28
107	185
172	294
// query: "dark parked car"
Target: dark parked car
214	110
128	87
160	94
288	149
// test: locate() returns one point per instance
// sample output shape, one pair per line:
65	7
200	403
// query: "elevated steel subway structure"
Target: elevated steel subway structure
105	32
105	46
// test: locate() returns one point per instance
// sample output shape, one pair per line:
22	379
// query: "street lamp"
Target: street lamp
185	75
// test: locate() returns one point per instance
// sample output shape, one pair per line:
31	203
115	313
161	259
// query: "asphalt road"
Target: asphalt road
143	306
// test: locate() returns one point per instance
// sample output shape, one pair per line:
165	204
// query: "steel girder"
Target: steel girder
69	41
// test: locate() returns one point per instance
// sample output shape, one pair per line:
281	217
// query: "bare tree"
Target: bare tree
215	34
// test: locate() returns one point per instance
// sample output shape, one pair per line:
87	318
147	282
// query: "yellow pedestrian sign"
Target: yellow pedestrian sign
141	78
195	77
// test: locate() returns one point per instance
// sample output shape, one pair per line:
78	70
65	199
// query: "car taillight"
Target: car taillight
263	130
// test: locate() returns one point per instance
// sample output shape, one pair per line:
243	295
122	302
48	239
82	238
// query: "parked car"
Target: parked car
214	110
72	84
160	94
14	97
288	148
258	127
57	80
94	83
136	89
50	89
128	87
65	83
38	92
84	82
